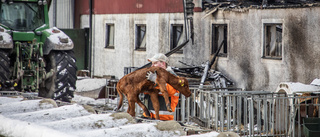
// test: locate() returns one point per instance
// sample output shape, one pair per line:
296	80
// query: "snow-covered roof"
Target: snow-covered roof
65	121
315	82
297	87
38	118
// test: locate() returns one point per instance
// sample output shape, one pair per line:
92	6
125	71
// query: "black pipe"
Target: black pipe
185	19
90	36
73	13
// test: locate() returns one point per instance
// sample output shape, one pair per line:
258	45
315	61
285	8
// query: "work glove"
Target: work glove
151	76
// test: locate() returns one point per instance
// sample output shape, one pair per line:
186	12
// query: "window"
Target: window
109	36
272	47
140	40
22	16
176	36
220	38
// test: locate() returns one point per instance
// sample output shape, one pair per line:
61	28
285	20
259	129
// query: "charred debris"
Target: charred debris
194	74
263	4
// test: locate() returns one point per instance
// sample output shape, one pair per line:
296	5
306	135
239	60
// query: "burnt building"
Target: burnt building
265	42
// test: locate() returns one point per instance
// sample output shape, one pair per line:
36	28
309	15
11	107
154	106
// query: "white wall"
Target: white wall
244	63
112	61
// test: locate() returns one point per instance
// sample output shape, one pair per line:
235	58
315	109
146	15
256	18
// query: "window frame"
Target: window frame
267	34
138	40
216	41
107	37
174	42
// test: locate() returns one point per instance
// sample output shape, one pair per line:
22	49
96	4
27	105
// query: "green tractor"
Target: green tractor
33	57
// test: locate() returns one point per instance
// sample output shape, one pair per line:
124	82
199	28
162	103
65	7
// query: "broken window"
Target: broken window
176	36
109	36
220	38
140	43
272	41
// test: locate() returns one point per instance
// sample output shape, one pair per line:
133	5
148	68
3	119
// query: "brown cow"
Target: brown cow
133	84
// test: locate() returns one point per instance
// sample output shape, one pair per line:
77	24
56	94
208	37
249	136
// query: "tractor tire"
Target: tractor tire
62	84
4	67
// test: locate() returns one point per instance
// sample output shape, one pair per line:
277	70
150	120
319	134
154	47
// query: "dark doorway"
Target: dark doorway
80	38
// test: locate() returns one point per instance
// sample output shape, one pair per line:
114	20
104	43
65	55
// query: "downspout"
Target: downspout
186	27
73	13
90	38
54	13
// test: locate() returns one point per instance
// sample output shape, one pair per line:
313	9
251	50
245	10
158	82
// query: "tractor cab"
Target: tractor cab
23	15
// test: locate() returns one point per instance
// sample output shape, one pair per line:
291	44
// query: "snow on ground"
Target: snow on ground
70	120
89	101
210	134
43	118
17	128
4	100
87	84
16	105
83	123
132	130
54	114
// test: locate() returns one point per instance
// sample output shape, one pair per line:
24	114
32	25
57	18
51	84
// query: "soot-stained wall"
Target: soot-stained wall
245	64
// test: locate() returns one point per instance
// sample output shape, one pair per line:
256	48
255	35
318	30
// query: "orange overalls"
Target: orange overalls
163	113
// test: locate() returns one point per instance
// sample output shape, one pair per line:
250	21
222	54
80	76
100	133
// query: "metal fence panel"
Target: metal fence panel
248	113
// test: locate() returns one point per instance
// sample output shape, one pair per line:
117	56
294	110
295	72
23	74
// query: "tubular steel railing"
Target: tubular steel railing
248	113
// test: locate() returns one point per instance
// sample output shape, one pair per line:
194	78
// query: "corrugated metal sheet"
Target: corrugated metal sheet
65	13
62	13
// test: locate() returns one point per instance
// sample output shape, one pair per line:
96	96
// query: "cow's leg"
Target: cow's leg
155	103
131	107
163	90
144	108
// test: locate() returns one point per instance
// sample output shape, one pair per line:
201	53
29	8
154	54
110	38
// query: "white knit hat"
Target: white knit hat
159	57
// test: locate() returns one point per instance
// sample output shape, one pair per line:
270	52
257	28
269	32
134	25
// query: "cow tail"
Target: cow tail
121	98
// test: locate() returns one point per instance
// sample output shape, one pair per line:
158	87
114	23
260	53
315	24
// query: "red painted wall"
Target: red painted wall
80	7
137	6
129	6
126	6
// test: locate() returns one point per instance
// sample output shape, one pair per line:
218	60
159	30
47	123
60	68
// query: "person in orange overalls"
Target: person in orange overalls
160	60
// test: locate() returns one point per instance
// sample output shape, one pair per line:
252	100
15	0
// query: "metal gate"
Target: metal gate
248	113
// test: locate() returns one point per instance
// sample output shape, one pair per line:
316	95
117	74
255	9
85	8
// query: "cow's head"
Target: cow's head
183	87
